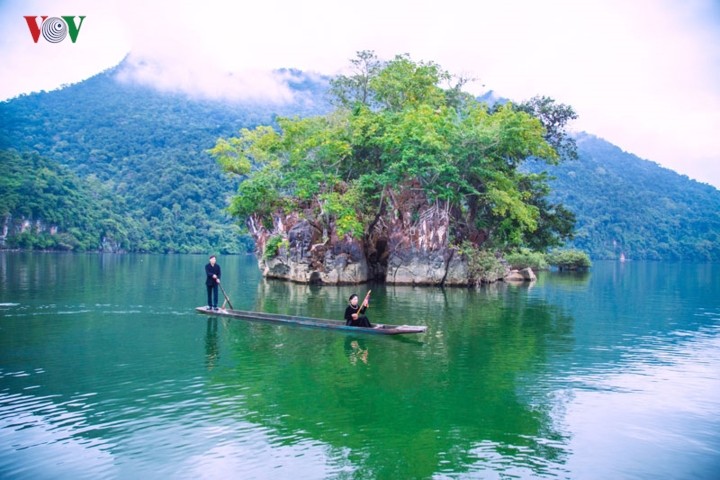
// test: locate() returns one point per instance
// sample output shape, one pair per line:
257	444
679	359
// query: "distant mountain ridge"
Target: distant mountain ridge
143	153
627	205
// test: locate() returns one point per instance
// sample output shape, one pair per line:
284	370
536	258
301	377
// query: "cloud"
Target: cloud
207	81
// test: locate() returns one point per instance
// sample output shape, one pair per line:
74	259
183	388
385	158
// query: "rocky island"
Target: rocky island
407	181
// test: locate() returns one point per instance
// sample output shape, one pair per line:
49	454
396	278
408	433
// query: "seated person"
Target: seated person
354	313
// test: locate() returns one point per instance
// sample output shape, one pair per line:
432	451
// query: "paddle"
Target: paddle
226	297
366	301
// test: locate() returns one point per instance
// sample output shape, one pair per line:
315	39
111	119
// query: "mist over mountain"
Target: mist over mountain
134	155
206	82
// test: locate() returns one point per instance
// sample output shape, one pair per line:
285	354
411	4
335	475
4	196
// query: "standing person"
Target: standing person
354	313
212	272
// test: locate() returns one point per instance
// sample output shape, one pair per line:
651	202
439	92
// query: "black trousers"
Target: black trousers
362	321
212	295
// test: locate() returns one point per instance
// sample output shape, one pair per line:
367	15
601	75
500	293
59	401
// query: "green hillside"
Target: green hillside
147	152
626	205
56	209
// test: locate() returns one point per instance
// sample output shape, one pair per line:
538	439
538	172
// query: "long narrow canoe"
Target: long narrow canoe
378	328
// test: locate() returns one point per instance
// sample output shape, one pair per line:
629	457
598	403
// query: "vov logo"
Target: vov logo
54	29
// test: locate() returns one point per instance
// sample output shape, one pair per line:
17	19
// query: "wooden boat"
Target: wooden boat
378	328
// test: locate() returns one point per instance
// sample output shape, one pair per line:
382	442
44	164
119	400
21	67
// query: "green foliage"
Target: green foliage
401	84
272	247
342	207
46	206
347	91
626	205
483	265
554	119
569	259
395	126
524	258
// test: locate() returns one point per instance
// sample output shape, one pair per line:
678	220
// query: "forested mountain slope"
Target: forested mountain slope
57	209
627	205
145	150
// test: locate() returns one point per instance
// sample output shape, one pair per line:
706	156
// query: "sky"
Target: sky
642	74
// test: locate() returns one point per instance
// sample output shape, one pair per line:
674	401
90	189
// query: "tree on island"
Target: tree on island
407	169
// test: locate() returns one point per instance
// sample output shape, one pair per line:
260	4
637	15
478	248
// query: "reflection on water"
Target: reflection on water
611	374
212	352
356	350
656	410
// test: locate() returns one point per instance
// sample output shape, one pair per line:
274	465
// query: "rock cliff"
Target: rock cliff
407	243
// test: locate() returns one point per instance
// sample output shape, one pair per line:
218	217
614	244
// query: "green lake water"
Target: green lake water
106	371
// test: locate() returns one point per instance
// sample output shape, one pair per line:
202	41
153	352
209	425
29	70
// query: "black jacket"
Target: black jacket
349	312
211	270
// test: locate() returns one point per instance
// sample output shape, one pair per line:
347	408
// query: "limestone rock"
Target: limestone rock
306	259
416	267
528	274
524	275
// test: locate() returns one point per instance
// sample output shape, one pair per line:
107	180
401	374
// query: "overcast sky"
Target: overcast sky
643	74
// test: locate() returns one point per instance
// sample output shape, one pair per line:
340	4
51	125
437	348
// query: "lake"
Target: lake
106	371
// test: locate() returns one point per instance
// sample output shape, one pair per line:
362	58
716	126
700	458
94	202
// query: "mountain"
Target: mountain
132	163
627	205
143	150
